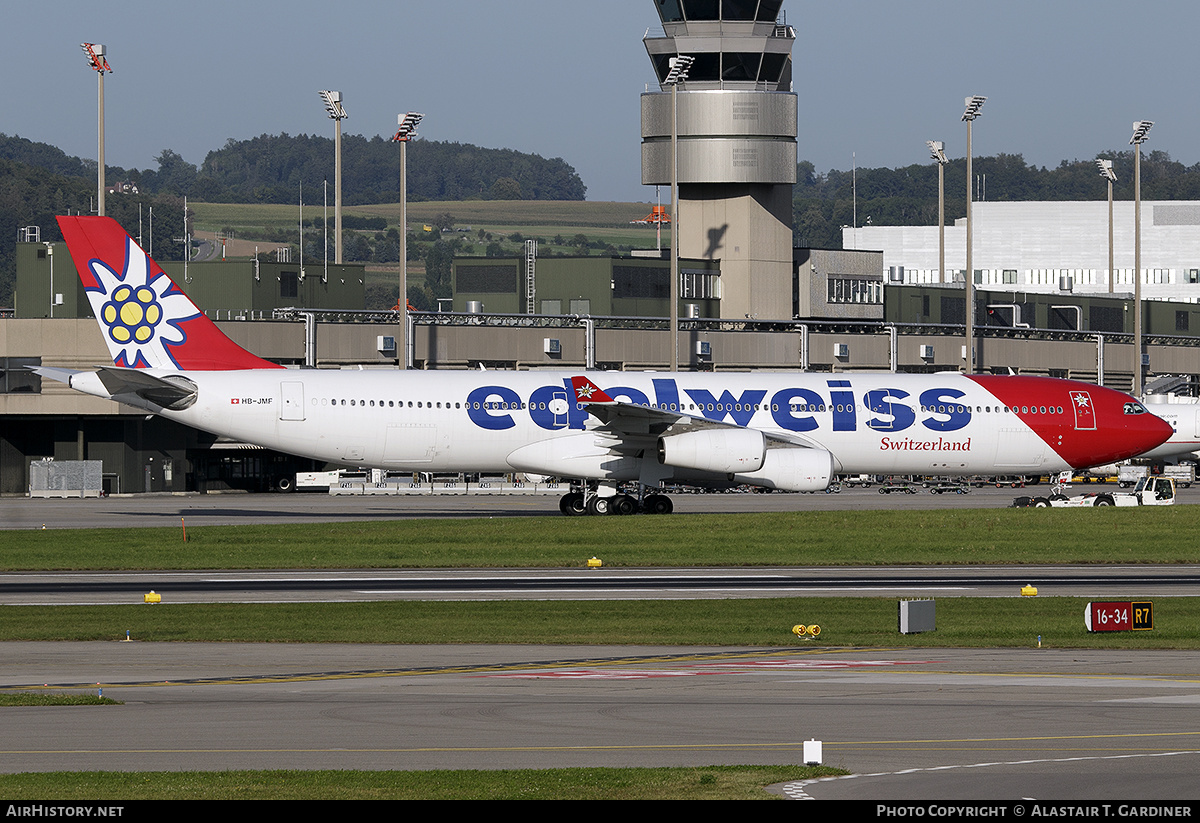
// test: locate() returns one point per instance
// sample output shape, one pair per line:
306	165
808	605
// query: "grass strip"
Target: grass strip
700	783
844	622
935	537
38	699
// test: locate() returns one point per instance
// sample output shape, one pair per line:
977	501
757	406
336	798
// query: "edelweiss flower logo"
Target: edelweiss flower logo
132	314
585	391
141	311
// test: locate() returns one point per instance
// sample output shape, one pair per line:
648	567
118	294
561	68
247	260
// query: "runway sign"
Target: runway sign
1119	616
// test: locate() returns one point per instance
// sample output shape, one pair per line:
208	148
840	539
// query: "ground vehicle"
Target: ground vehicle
1150	491
316	481
1184	474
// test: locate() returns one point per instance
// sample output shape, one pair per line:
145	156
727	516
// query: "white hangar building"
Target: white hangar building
1050	247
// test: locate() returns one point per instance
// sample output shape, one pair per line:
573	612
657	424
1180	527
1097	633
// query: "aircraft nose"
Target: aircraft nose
1151	431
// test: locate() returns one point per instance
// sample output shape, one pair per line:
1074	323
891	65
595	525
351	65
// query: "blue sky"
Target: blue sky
1065	79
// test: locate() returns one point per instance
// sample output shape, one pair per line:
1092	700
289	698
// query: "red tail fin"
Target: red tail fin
588	392
147	321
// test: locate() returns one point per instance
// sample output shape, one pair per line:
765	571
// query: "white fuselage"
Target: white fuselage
1184	443
473	421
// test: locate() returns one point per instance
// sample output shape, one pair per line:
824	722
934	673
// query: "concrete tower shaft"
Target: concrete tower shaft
736	134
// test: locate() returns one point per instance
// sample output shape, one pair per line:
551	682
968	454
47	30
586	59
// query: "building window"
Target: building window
1181	321
1010	276
15	378
699	285
630	282
289	284
486	278
854	290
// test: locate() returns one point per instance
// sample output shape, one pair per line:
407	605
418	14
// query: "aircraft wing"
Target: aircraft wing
633	426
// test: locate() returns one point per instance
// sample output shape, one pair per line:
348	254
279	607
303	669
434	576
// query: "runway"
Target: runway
354	585
944	724
169	510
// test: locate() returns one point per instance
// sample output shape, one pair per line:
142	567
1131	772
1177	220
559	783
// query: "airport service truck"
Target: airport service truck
1156	490
1184	474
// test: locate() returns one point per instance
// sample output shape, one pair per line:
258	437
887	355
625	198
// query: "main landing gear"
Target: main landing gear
589	501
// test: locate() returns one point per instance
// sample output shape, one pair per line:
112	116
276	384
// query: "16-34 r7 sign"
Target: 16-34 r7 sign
1119	616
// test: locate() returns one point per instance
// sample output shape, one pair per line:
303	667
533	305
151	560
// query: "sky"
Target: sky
1065	79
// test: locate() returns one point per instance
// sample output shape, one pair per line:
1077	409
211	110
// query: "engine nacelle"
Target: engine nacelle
793	470
724	451
575	455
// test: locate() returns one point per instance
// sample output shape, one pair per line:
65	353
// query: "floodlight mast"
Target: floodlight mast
98	63
677	74
406	130
1141	130
973	105
333	105
937	150
1106	171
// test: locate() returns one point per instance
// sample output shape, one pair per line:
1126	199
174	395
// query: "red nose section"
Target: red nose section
1085	424
1153	431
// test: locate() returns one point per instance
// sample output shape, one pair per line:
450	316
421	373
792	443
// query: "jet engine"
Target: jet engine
723	451
793	470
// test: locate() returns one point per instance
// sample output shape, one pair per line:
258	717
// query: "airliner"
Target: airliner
1184	443
606	430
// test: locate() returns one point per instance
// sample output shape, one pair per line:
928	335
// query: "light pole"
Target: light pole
1106	171
973	104
937	150
333	105
97	61
50	254
677	74
1141	129
406	130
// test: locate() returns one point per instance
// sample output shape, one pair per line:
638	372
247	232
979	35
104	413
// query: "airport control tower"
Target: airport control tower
736	127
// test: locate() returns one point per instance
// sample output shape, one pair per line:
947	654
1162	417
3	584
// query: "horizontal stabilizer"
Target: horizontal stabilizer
172	392
60	375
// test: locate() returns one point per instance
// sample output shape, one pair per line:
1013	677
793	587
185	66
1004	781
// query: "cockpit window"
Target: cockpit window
1134	408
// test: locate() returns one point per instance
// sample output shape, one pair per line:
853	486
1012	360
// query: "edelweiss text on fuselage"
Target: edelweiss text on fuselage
796	409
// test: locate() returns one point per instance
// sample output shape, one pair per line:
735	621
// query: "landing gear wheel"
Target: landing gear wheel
624	504
600	505
571	504
658	504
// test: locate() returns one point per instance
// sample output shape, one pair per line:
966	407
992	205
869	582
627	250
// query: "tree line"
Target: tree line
271	168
